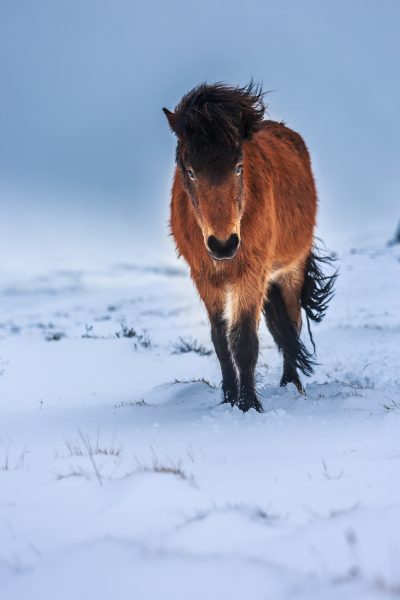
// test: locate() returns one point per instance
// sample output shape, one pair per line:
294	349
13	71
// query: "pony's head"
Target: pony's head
211	123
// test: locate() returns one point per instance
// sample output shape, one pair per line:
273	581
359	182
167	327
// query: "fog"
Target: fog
86	156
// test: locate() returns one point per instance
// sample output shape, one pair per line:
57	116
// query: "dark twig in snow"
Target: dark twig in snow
196	380
328	475
86	443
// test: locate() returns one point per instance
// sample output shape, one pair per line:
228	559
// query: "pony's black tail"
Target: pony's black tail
317	289
316	293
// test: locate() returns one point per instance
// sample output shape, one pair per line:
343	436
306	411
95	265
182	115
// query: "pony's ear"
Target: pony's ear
171	117
250	124
253	109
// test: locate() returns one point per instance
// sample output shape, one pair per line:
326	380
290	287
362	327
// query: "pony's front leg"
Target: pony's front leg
214	300
219	335
244	345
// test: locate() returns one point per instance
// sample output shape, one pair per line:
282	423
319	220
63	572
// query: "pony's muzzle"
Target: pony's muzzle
223	249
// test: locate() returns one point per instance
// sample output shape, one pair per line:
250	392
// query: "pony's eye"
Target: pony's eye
238	169
190	173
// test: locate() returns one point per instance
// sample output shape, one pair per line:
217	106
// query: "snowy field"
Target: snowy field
121	475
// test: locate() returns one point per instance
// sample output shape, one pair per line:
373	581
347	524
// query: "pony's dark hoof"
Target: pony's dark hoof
293	379
229	397
246	404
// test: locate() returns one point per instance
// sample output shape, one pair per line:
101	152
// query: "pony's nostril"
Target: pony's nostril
233	241
213	243
223	248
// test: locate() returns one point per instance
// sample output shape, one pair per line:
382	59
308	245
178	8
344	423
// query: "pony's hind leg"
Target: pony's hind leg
282	309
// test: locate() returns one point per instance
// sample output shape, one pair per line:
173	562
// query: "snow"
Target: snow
121	475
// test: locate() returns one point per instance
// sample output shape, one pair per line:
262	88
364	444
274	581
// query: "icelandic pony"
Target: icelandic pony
243	213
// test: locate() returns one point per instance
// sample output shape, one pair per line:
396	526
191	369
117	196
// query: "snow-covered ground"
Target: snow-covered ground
121	475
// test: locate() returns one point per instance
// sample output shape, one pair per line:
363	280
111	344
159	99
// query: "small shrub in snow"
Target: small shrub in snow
131	403
88	331
196	380
55	336
84	446
183	346
167	468
141	339
72	472
7	463
392	406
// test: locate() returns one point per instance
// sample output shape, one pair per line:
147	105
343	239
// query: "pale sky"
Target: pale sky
84	147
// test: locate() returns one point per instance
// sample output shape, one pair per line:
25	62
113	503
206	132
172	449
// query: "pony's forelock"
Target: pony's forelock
213	120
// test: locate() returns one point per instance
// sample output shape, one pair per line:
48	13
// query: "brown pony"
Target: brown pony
243	214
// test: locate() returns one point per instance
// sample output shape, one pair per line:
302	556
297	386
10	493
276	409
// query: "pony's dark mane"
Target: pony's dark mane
212	120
